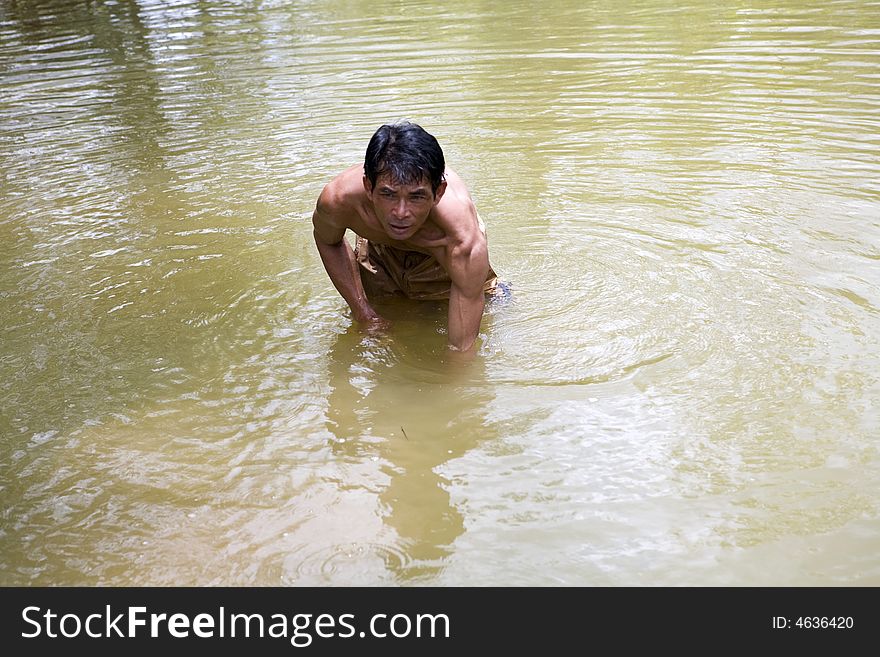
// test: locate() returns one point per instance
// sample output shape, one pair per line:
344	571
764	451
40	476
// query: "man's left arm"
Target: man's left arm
469	265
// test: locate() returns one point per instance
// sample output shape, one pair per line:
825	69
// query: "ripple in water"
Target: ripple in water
355	564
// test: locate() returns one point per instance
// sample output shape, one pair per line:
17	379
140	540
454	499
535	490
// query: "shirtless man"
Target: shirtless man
418	233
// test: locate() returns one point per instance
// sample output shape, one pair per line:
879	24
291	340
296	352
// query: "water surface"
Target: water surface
684	197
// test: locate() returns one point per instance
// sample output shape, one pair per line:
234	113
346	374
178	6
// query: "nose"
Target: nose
401	210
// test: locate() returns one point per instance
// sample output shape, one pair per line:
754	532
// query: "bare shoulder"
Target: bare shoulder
456	212
457	187
341	193
337	205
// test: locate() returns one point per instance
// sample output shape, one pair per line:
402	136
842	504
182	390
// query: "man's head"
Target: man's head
406	153
403	176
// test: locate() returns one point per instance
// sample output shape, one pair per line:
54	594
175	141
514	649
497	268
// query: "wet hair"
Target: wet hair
407	153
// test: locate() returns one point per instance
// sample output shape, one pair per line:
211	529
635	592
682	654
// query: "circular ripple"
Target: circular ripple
350	564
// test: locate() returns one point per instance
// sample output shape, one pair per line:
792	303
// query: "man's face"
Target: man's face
402	209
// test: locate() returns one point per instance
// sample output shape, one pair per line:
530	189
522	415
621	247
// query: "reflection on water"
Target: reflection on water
383	409
684	389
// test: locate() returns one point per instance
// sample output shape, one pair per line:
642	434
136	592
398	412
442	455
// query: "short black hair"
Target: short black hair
406	152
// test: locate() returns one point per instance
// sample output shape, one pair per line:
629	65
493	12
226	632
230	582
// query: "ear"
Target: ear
440	191
367	186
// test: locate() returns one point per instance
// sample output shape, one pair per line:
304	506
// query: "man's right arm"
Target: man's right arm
340	262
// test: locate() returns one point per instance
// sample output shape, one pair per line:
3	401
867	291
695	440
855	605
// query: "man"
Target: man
418	233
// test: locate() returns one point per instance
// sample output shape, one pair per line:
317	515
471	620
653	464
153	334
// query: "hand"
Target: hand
375	324
458	357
